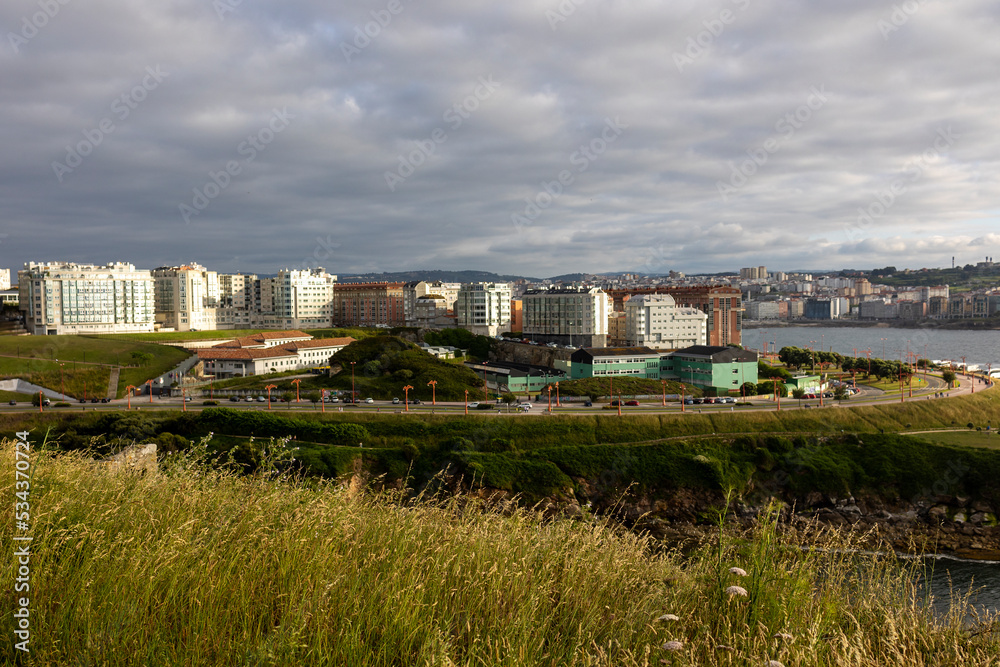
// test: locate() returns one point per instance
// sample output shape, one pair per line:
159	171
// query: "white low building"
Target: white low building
270	351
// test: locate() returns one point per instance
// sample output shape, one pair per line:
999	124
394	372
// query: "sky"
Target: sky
533	137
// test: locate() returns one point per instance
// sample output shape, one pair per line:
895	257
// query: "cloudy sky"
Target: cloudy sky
532	136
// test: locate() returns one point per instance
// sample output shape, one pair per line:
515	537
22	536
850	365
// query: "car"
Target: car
82	400
188	399
262	399
334	399
249	399
46	402
729	399
416	401
828	394
710	401
104	400
369	400
525	406
12	402
234	399
616	403
395	401
689	401
631	402
94	400
473	405
588	404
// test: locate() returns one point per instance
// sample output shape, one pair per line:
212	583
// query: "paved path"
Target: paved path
113	383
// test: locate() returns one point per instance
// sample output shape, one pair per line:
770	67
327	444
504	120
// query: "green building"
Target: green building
723	369
590	362
502	377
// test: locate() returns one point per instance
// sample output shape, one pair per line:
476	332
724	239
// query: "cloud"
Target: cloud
370	84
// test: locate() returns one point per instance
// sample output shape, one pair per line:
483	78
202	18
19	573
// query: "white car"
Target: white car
525	406
369	400
249	399
472	405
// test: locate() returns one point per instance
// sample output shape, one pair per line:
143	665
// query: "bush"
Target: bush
209	402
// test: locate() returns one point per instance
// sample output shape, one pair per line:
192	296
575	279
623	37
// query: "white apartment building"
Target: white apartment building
236	301
4	279
567	316
186	298
296	299
484	308
66	298
763	310
655	321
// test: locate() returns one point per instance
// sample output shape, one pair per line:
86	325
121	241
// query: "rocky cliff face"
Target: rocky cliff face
536	355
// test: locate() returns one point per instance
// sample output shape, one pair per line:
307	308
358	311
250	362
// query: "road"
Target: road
538	408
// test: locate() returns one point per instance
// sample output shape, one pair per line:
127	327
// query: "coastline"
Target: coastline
946	325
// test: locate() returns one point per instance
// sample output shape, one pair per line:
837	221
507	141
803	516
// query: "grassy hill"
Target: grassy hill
265	571
86	361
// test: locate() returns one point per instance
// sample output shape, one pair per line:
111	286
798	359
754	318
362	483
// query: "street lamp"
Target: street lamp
149	386
466	401
558	403
322	400
40	402
62	387
433	384
296	382
682	398
129	390
406	396
664	399
269	388
883	346
549	387
354	398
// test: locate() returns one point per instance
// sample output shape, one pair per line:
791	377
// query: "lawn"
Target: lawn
983	439
85	360
226	334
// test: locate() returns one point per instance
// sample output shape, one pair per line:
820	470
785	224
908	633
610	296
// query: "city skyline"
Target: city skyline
535	138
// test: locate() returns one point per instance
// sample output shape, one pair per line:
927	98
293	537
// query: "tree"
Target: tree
313	397
840	393
799	393
949	377
142	358
748	389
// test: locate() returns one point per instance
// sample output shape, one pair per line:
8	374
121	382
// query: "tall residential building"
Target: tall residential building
568	316
484	308
655	321
236	301
297	299
754	273
66	298
369	304
4	279
186	298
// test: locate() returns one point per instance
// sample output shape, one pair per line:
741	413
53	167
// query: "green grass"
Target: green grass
228	570
226	334
966	438
37	358
6	396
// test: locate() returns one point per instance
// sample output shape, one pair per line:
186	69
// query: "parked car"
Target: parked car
104	400
369	400
82	400
416	401
12	402
688	401
333	399
710	401
249	399
632	402
94	400
188	399
588	404
262	399
234	399
472	405
395	401
525	406
615	403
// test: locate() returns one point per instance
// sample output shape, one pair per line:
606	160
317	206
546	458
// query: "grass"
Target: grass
966	438
225	334
227	570
86	359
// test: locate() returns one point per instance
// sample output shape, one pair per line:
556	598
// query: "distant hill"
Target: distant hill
443	276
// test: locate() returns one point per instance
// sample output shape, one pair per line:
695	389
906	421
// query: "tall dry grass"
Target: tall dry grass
195	566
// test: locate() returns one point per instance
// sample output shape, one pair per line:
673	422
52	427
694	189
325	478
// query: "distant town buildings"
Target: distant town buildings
4	279
270	351
370	304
